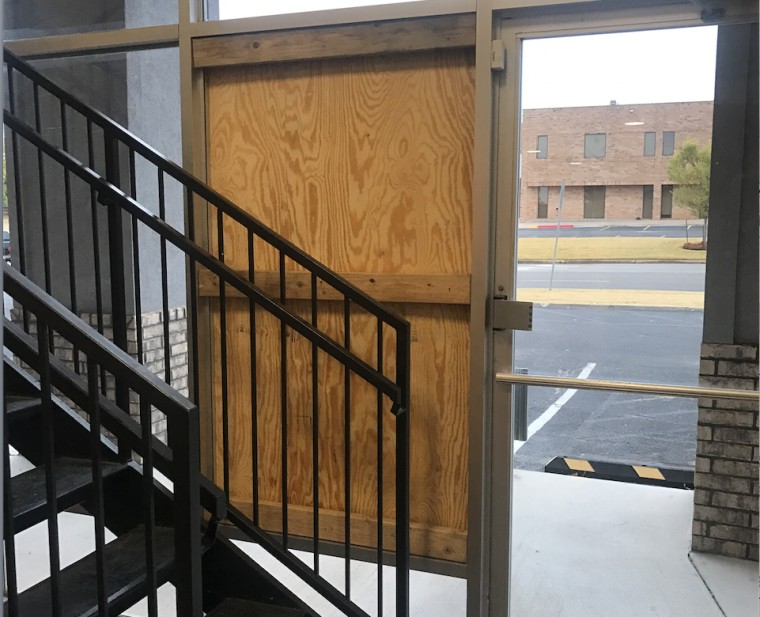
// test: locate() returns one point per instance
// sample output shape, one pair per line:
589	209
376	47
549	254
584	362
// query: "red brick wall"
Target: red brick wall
624	169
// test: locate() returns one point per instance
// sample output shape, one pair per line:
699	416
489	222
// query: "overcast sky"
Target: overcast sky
639	67
658	66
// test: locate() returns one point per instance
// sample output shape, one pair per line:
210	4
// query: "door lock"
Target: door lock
512	315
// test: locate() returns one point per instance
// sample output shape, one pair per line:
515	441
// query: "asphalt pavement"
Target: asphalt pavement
658	276
622	344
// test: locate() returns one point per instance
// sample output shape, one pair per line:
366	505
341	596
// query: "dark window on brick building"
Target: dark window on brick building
593	202
668	143
542	146
543	202
647	201
649	143
666	209
595	146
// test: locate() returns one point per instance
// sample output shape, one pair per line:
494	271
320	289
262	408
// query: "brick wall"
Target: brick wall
726	478
153	354
624	165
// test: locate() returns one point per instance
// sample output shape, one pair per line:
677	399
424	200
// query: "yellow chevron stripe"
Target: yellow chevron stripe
578	465
649	472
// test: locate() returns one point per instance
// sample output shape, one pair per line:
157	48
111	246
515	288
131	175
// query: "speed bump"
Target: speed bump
620	472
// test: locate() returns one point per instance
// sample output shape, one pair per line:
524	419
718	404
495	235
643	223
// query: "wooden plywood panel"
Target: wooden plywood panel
366	164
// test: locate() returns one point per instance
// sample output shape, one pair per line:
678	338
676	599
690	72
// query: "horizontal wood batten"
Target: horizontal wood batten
434	542
417	288
336	41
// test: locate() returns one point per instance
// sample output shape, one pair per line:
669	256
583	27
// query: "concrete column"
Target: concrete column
726	478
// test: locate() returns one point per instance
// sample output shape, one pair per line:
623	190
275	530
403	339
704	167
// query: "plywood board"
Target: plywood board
336	41
366	164
424	288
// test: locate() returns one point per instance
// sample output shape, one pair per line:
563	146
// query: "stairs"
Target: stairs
233	584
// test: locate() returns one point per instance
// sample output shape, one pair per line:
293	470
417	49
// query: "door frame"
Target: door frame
495	223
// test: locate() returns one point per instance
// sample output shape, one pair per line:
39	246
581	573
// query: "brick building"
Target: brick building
613	159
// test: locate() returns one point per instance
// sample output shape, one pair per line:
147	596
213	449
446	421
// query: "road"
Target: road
660	276
616	231
634	344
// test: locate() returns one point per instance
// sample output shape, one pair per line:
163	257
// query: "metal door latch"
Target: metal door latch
512	315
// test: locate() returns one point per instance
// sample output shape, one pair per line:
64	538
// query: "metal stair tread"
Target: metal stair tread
125	577
236	607
21	406
73	483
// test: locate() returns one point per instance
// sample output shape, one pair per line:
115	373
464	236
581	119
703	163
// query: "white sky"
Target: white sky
658	66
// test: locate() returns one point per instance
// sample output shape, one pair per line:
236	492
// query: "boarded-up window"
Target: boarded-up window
648	200
542	146
668	143
543	202
595	145
593	202
650	139
666	209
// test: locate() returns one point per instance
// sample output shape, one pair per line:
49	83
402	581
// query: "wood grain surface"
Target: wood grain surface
366	164
425	288
336	41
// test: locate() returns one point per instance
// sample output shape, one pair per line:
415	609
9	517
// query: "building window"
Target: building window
593	202
543	202
647	201
668	143
542	146
666	209
649	143
595	146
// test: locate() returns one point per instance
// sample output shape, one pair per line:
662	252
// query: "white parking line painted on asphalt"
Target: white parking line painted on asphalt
554	408
645	228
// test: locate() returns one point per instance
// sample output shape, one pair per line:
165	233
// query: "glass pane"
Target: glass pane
231	9
650	139
668	143
36	18
596	145
542	147
618	294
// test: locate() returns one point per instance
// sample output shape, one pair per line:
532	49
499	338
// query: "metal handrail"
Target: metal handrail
120	200
183	425
628	387
110	193
206	193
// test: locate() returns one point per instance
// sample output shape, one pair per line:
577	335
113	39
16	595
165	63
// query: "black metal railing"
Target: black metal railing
163	229
48	320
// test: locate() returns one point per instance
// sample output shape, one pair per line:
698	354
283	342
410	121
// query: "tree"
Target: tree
689	170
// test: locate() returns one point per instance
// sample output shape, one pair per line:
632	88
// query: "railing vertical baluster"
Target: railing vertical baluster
254	386
315	422
97	479
69	227
19	217
193	293
187	512
402	474
149	505
43	193
9	530
164	281
223	359
380	438
347	443
48	433
136	260
96	246
284	405
116	262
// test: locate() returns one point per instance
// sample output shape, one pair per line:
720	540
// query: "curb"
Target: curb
620	472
